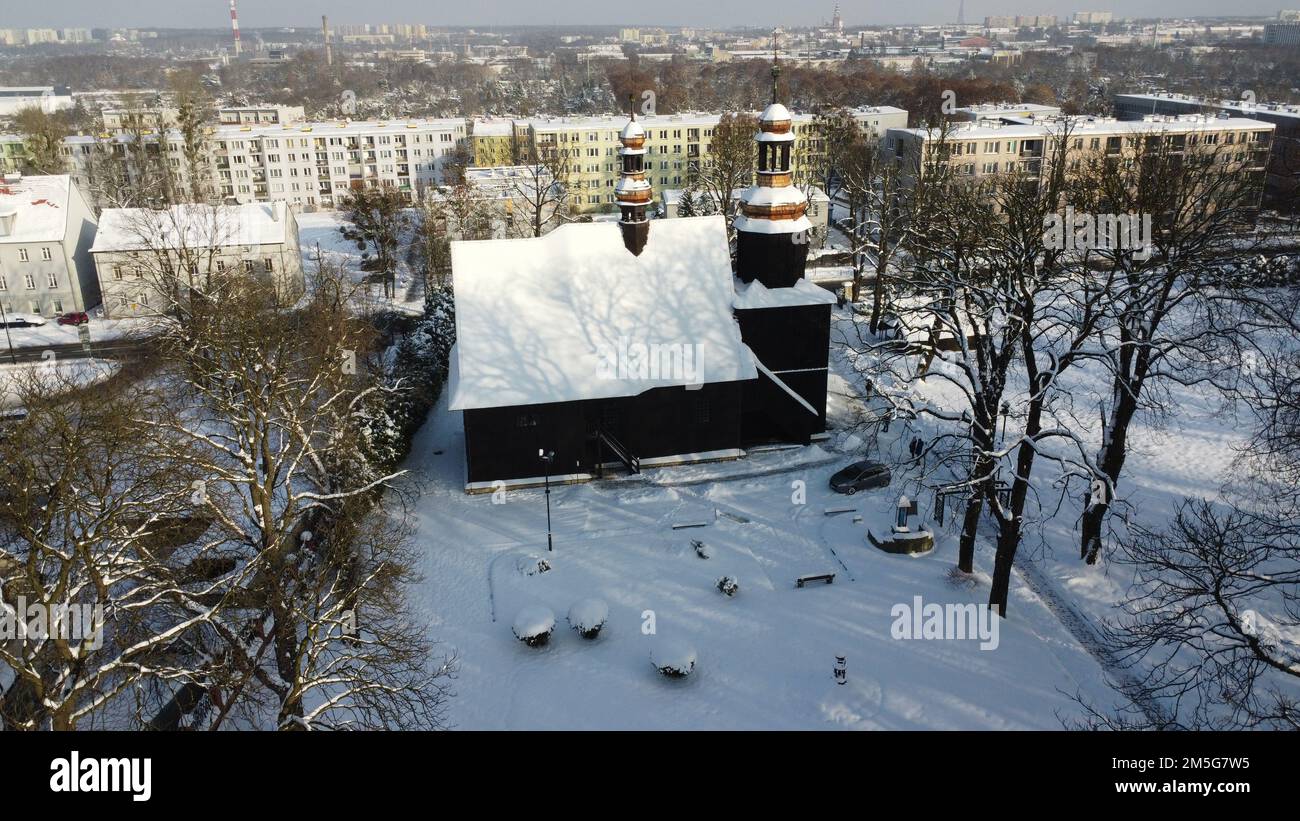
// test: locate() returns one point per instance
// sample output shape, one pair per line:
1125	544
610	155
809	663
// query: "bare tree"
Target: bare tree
1171	306
729	164
540	199
99	533
275	403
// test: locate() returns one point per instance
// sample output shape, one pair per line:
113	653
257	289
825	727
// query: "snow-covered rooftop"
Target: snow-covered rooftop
191	226
538	319
803	292
37	206
1082	126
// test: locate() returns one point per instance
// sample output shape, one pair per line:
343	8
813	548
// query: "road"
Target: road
106	349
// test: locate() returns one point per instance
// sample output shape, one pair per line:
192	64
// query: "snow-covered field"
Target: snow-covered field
766	656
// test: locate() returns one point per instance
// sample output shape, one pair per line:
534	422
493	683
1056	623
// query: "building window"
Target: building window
53	280
270	265
139	272
526	420
4	286
46	255
22	254
248	266
58	306
117	272
29	281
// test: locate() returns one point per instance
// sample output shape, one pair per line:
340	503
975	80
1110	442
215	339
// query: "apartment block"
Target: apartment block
315	164
677	147
1282	34
1281	186
261	115
46	231
1009	113
992	148
13	153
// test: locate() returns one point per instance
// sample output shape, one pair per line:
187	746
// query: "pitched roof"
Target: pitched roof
191	226
552	319
39	206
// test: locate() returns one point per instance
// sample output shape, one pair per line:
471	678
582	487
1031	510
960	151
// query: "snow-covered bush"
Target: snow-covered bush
415	368
701	549
674	659
588	616
728	586
534	624
532	565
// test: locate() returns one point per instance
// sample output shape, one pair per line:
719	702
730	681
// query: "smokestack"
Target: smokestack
329	47
234	26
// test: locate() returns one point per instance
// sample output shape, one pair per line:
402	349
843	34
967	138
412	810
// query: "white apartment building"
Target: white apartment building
46	231
1010	113
134	247
261	115
314	164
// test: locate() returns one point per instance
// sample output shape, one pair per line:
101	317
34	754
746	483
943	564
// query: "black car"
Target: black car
22	322
861	476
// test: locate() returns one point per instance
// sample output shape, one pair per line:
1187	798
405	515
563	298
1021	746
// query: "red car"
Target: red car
74	319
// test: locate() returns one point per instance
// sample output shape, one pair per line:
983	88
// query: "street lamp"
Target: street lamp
1006	411
547	457
5	322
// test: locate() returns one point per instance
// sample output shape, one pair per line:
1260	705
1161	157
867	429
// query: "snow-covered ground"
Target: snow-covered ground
765	656
321	229
53	372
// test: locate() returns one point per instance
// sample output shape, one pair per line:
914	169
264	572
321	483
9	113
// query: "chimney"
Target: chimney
8	216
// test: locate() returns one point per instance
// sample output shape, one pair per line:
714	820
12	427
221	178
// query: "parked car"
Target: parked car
74	318
864	475
23	321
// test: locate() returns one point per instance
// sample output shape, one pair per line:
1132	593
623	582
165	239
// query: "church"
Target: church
620	346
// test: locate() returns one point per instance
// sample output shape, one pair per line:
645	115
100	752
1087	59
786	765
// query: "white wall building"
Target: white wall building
47	98
46	231
134	247
315	164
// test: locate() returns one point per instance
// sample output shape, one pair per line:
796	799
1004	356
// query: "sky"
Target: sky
718	13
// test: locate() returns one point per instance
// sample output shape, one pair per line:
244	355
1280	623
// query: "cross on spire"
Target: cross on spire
776	62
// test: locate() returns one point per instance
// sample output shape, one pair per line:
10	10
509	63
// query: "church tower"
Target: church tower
772	229
784	318
633	192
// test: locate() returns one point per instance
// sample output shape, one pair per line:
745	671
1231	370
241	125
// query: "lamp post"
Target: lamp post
5	322
1006	411
547	457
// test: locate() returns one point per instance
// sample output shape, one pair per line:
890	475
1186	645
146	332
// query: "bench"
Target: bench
814	577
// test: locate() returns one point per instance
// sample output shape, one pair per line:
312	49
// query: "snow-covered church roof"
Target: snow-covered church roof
564	317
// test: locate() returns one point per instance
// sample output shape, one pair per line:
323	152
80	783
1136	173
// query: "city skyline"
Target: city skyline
726	14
